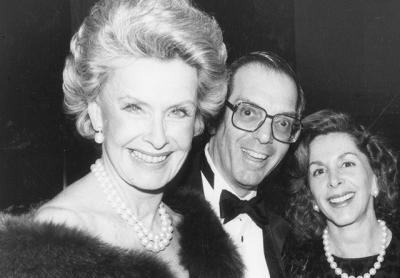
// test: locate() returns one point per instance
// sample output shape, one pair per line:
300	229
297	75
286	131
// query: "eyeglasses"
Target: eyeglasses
250	117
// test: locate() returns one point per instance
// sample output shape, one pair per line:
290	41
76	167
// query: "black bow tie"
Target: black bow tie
231	206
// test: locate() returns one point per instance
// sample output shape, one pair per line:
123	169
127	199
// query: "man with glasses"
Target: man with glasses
261	120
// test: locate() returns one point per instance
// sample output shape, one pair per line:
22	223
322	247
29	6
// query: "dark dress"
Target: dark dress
308	260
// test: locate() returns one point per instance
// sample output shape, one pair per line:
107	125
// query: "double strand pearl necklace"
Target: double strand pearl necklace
151	242
372	271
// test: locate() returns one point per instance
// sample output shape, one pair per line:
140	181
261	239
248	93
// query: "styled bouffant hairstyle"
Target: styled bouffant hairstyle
309	223
118	30
270	61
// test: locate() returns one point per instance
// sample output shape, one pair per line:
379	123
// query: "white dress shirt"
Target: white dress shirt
246	235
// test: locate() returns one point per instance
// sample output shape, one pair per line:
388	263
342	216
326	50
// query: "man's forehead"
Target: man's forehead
274	91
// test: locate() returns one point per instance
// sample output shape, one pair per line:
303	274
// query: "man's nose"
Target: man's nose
264	132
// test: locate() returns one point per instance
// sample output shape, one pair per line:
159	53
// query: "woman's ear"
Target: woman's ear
94	111
374	186
198	125
315	206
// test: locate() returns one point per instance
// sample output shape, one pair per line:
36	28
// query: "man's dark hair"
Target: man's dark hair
270	61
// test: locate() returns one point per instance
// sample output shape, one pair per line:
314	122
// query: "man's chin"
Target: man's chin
249	184
251	178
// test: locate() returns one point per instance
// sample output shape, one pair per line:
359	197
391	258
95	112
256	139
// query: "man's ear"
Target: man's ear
198	125
94	111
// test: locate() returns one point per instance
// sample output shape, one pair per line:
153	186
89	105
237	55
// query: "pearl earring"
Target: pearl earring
315	207
99	137
375	193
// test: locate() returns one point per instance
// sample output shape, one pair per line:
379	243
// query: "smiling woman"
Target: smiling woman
346	185
147	115
141	79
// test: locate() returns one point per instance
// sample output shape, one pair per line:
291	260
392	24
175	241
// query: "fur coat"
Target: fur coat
31	249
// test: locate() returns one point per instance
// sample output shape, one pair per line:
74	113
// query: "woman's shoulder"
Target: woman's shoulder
74	207
59	214
29	248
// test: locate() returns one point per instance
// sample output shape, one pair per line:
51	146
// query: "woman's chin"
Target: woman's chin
149	186
343	220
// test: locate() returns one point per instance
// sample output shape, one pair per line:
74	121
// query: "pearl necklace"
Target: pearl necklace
151	242
372	271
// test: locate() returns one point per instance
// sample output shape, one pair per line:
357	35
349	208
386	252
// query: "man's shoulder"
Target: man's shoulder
278	224
279	228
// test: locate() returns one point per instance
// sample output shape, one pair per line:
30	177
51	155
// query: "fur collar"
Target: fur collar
30	249
207	250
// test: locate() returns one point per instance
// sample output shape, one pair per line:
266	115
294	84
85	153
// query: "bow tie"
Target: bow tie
231	206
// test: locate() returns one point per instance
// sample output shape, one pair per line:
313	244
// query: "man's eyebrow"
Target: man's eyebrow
291	113
244	99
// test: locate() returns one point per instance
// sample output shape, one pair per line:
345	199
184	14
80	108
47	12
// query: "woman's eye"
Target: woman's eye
132	107
179	112
348	164
317	172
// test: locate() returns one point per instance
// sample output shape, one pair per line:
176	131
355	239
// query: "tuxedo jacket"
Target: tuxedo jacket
274	232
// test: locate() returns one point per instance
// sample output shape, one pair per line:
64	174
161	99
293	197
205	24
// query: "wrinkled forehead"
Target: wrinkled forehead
274	91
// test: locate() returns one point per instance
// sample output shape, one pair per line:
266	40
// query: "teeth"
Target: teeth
342	198
255	154
148	158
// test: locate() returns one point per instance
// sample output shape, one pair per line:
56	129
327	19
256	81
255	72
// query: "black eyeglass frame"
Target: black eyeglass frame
234	108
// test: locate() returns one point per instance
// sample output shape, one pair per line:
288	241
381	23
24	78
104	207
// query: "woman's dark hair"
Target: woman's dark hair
307	222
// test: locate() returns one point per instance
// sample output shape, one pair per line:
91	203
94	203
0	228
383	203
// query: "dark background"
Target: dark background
346	54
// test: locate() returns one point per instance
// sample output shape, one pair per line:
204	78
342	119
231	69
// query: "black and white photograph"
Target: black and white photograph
200	138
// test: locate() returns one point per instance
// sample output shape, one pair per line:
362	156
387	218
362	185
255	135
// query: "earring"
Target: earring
99	137
315	207
375	193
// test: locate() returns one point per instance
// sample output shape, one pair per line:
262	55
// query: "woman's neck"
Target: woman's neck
360	239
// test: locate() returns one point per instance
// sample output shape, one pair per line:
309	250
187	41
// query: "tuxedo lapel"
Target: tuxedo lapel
194	180
272	254
205	168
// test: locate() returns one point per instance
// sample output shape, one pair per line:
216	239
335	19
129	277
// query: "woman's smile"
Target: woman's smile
341	200
149	158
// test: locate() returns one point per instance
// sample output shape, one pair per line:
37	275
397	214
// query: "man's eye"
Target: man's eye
247	112
132	107
283	123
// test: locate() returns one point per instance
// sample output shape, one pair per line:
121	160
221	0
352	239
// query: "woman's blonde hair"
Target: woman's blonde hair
118	30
